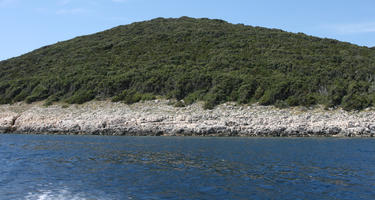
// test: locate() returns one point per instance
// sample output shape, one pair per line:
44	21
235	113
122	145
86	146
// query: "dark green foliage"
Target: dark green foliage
308	100
194	59
81	96
39	93
259	92
280	91
51	99
337	92
301	100
132	96
179	104
355	102
194	96
247	91
281	104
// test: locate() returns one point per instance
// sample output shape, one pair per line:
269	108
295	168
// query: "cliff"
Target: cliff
159	118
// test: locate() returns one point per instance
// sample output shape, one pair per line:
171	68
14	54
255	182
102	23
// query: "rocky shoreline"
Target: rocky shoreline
159	118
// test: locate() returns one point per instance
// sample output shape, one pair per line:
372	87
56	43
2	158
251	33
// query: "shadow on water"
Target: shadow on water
74	167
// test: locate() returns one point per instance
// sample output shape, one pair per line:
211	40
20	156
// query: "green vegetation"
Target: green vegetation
132	96
194	59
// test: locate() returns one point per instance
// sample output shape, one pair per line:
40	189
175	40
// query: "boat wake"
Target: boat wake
61	194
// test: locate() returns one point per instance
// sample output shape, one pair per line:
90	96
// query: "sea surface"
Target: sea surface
104	167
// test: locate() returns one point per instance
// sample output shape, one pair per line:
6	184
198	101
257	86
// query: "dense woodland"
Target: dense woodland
194	59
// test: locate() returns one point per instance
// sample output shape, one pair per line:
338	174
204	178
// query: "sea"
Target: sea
60	167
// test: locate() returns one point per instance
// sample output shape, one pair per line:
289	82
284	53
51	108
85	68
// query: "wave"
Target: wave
61	194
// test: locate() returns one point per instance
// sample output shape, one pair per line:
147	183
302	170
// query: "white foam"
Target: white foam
61	194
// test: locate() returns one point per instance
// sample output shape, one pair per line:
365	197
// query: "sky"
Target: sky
26	25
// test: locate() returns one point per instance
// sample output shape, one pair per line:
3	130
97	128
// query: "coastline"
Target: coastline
159	118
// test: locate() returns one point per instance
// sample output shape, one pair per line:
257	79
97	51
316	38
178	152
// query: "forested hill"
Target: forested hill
194	59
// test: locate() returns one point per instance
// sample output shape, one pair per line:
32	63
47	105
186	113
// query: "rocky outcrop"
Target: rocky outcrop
158	118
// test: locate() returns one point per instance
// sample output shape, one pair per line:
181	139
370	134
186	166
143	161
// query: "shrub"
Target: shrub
246	92
81	97
293	101
211	101
51	99
179	104
21	96
280	91
281	104
268	98
193	97
259	93
336	93
40	92
5	100
147	97
131	96
355	102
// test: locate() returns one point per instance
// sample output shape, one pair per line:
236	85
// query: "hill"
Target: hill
194	59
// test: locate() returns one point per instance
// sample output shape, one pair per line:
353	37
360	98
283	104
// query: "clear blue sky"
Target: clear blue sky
29	24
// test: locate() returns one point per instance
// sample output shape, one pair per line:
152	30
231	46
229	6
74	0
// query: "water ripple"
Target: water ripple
76	167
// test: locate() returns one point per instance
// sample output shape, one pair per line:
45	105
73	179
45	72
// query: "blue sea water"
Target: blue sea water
100	167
